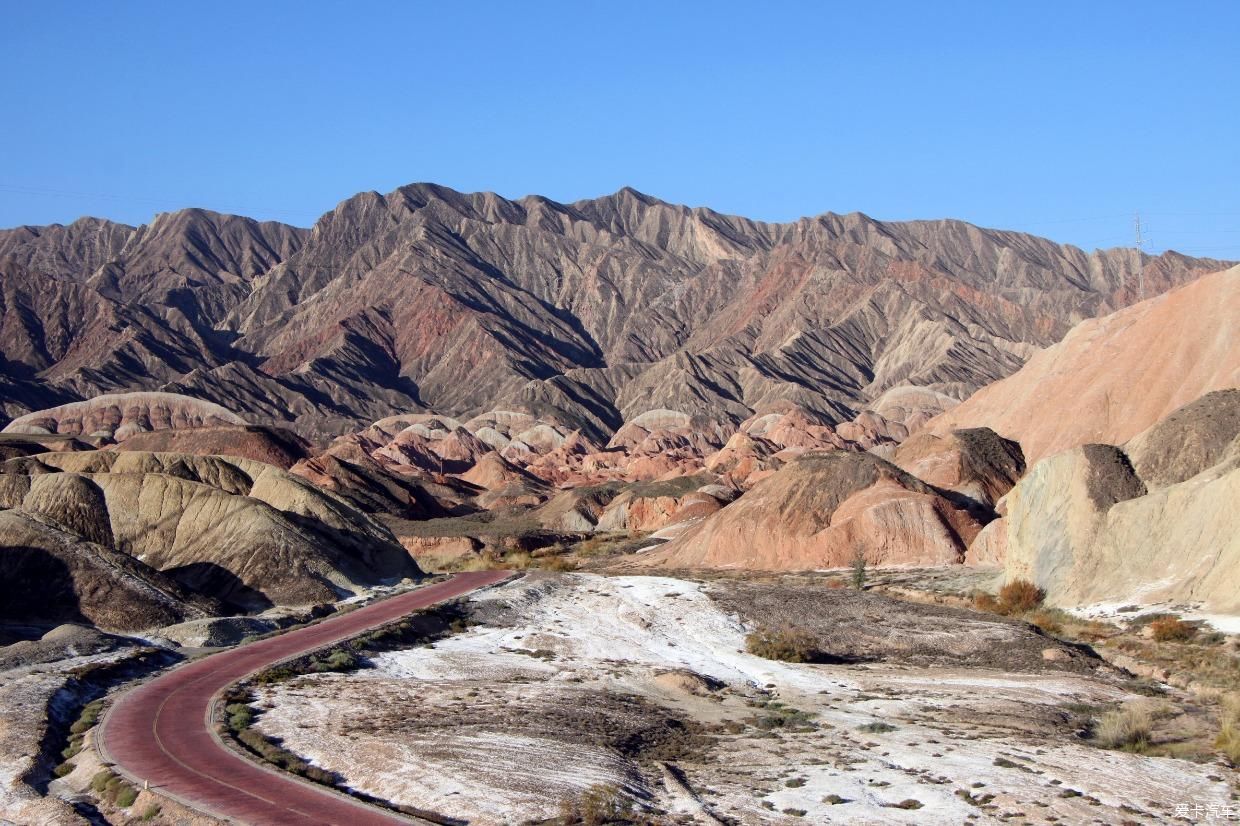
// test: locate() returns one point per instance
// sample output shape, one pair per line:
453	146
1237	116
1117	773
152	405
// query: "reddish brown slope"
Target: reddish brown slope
1113	377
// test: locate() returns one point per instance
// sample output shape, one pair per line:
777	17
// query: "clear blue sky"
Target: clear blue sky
1060	118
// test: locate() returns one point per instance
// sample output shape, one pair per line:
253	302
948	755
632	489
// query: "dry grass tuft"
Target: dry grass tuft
1228	740
1128	727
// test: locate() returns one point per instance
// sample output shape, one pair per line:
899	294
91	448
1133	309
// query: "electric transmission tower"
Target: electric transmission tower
1140	264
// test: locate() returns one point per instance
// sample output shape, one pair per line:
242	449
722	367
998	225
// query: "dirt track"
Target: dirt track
161	732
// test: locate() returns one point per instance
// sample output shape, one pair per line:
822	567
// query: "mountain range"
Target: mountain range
586	315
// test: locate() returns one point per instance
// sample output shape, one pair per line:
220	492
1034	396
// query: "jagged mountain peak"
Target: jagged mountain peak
592	312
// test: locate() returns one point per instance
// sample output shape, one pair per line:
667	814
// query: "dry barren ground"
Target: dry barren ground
573	680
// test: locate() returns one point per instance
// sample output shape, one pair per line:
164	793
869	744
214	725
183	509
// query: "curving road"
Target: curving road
161	731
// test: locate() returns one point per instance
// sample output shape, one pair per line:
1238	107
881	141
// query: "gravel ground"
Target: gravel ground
535	705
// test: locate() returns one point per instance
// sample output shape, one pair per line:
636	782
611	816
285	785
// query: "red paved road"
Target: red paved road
160	731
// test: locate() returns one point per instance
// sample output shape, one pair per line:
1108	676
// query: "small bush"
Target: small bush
795	782
62	769
1127	727
794	812
858	566
1048	621
125	796
240	716
876	728
88	718
983	601
339	660
595	806
150	812
557	563
1172	629
909	804
786	718
100	781
787	644
1019	596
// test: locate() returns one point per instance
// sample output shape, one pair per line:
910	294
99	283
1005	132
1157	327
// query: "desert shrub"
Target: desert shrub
1228	740
795	782
88	718
599	804
1127	727
100	781
876	728
786	643
1172	629
518	560
150	812
909	804
983	601
557	563
318	775
1047	620
125	796
62	769
858	570
786	718
113	789
792	811
240	716
339	660
1019	596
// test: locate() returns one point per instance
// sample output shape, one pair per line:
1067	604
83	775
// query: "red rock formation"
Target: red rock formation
821	511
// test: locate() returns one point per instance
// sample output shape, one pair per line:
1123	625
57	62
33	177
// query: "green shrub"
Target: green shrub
340	660
125	796
240	716
876	728
786	718
150	812
858	566
100	781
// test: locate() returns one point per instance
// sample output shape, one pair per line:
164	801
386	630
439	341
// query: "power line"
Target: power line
166	203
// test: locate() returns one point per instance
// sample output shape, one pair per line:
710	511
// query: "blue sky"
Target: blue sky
1059	118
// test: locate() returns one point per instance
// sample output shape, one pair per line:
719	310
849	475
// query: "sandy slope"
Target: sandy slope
1112	377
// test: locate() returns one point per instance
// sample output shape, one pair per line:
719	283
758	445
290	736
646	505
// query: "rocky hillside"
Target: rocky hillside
1113	377
587	315
1151	521
823	510
130	540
